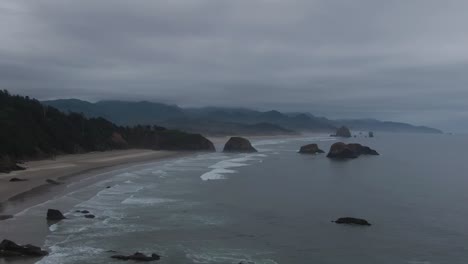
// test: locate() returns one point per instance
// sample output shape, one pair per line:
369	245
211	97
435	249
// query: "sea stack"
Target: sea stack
54	215
343	132
238	144
371	134
341	150
310	149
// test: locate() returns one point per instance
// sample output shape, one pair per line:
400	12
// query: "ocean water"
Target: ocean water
276	206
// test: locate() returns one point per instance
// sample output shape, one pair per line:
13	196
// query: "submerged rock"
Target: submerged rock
54	215
54	182
238	144
138	257
310	149
352	221
17	180
9	248
90	216
341	150
5	217
343	132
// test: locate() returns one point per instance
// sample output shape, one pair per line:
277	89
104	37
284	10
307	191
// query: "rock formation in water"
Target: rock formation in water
352	221
9	248
310	149
17	179
54	182
138	257
341	150
55	215
371	134
343	132
238	144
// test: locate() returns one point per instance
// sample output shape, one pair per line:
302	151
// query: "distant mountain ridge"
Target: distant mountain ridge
224	121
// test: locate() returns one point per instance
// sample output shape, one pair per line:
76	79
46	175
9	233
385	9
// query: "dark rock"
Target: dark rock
341	150
371	134
90	216
246	262
108	187
352	221
54	215
238	144
310	149
9	248
138	257
343	132
17	180
5	217
54	182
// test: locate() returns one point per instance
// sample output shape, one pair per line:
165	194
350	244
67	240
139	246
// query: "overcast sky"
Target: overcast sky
404	60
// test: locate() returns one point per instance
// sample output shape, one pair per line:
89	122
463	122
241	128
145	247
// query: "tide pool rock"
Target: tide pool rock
238	144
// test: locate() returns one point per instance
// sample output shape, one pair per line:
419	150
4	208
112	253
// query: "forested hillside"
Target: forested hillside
30	130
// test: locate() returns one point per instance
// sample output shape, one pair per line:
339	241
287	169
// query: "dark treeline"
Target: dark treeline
30	130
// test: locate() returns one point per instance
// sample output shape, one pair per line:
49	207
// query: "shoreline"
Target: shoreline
66	169
74	172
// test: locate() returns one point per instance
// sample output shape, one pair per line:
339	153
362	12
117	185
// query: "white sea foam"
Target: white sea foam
219	169
146	201
69	255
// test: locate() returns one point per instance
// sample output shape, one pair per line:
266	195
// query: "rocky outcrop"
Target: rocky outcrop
9	248
352	221
17	180
90	216
343	132
55	215
138	257
238	144
371	134
341	150
310	149
54	182
5	217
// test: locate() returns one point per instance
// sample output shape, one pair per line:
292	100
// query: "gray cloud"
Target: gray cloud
399	60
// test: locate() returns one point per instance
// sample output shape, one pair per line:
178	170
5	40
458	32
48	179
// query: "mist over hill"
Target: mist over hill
224	121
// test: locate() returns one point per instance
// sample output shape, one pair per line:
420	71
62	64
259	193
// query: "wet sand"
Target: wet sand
72	172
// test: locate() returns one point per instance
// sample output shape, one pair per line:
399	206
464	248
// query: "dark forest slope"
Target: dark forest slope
30	130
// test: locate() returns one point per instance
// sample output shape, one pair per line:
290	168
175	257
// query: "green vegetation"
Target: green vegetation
30	130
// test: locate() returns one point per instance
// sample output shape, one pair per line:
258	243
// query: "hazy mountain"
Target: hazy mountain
224	121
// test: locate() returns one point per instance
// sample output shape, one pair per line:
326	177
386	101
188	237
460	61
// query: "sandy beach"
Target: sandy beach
71	172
